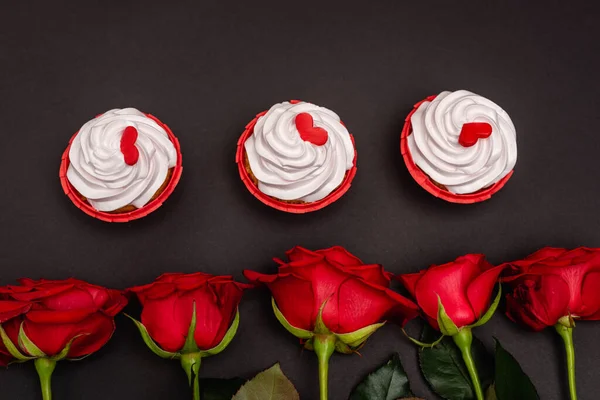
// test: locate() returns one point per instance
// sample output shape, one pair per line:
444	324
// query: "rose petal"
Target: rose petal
450	282
373	273
590	296
213	322
193	281
58	317
73	299
10	309
115	303
410	281
44	293
361	304
300	253
480	289
538	301
53	338
341	256
158	316
293	296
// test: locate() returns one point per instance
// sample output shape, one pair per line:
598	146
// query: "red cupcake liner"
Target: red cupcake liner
135	214
425	181
278	204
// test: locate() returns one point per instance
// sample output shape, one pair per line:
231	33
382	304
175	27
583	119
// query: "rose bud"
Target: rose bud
555	287
454	298
189	316
333	301
67	319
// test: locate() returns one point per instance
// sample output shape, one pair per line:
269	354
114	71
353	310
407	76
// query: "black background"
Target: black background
206	68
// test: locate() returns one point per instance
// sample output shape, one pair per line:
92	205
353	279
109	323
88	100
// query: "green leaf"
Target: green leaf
299	333
219	389
447	326
357	338
443	367
270	384
389	382
490	394
12	349
151	343
490	312
28	346
226	339
511	382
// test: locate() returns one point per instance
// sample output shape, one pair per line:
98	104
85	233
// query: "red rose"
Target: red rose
464	287
554	283
169	301
357	294
60	311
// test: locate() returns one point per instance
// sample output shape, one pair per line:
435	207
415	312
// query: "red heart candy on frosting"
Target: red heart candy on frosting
309	132
128	139
471	132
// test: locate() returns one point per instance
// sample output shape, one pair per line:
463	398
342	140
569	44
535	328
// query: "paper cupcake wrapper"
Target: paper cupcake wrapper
135	214
426	183
278	204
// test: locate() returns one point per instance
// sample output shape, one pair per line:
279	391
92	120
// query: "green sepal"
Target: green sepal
226	339
155	348
299	333
28	346
358	337
65	352
12	349
421	344
190	345
567	321
490	312
320	327
343	348
447	326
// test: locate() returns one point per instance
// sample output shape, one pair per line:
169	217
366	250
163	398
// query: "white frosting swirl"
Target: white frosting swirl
97	167
434	145
289	168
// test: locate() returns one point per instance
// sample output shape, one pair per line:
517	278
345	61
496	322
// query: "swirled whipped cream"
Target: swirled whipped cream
289	167
97	166
435	148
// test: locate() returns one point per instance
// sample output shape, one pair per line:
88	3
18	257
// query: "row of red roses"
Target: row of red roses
329	298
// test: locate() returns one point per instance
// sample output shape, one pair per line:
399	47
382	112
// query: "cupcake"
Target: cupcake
296	157
459	146
121	165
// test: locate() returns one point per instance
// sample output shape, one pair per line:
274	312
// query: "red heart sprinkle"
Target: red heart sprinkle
130	152
309	132
471	132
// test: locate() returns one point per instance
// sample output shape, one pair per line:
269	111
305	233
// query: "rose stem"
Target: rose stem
567	335
324	346
191	365
463	340
44	368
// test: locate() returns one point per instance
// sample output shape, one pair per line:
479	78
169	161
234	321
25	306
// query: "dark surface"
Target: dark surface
206	68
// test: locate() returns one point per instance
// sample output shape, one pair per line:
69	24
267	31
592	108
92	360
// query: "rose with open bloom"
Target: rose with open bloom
464	287
56	313
168	305
356	294
553	283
